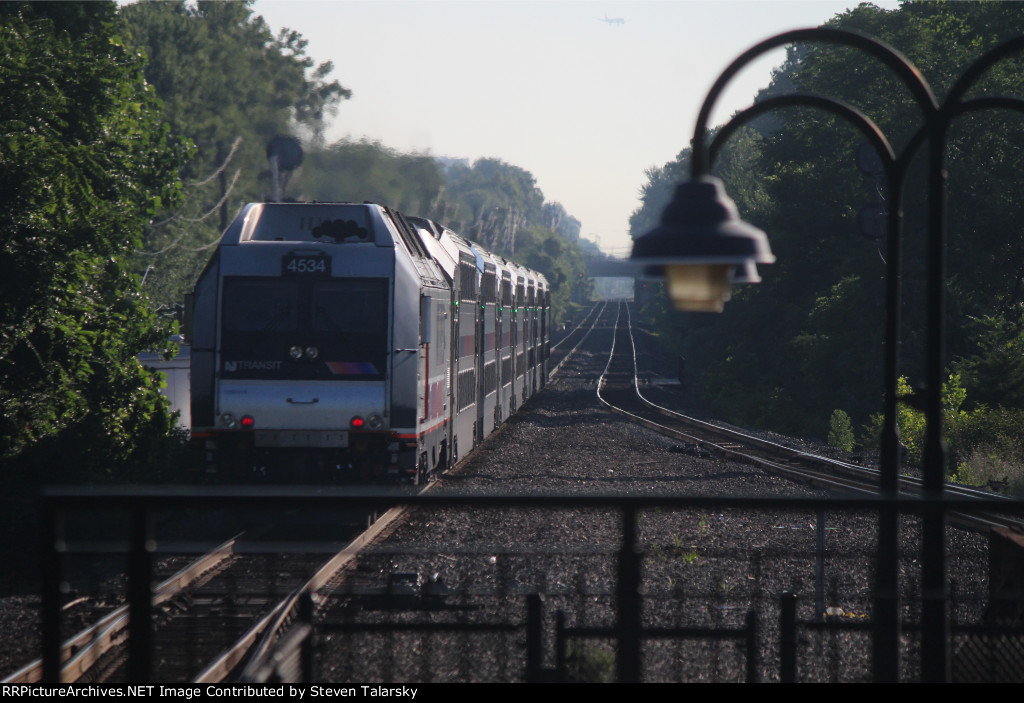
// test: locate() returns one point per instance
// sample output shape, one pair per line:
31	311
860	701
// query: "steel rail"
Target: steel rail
858	478
579	326
274	626
256	642
80	652
568	354
728	452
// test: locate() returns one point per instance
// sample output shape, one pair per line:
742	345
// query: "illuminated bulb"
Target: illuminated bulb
699	288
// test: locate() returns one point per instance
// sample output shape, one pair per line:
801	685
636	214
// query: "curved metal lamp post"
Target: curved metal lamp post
700	232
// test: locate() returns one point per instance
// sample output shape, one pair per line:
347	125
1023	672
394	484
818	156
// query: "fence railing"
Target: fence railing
644	593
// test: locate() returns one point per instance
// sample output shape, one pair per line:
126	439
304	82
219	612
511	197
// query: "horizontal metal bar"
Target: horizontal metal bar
132	497
328	626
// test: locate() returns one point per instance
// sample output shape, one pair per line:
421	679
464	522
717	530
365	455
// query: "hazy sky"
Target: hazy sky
582	103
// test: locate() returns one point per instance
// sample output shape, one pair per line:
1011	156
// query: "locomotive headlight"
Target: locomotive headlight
312	353
228	421
375	422
295	353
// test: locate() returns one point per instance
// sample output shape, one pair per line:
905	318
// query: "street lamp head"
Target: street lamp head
699	245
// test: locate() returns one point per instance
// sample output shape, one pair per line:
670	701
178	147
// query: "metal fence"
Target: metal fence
647	592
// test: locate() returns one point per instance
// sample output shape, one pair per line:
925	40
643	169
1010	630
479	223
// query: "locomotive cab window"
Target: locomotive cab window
304	328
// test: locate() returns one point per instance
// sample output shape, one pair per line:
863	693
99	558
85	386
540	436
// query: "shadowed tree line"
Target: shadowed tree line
123	131
228	85
807	342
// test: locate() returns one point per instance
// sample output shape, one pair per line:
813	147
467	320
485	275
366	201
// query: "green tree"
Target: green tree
352	171
994	368
492	201
966	431
228	85
500	206
84	163
808	339
557	219
560	260
840	433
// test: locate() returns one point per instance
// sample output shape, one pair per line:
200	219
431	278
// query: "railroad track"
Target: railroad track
217	594
621	390
217	612
82	652
573	341
573	356
193	599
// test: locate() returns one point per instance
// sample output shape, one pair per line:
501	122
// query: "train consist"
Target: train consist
349	343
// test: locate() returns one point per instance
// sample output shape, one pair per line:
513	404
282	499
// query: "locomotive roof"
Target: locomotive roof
364	223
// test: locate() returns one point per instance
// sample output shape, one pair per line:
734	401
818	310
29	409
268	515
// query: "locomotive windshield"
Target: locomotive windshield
263	306
304	328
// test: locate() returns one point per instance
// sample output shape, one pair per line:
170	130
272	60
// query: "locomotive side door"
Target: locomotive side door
423	360
479	347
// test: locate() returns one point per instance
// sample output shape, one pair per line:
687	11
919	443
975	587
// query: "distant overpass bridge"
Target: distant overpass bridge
611	268
612	279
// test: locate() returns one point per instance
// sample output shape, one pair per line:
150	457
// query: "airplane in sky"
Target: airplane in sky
611	20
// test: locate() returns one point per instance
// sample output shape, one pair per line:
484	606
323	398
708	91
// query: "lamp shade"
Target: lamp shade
699	246
702	225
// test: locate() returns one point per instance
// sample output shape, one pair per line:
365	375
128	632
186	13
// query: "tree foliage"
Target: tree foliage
357	171
228	85
840	433
84	163
809	338
500	206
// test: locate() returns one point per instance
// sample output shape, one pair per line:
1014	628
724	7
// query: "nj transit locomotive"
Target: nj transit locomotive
349	343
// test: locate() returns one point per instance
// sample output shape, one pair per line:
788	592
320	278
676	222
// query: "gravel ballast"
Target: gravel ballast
704	568
701	568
